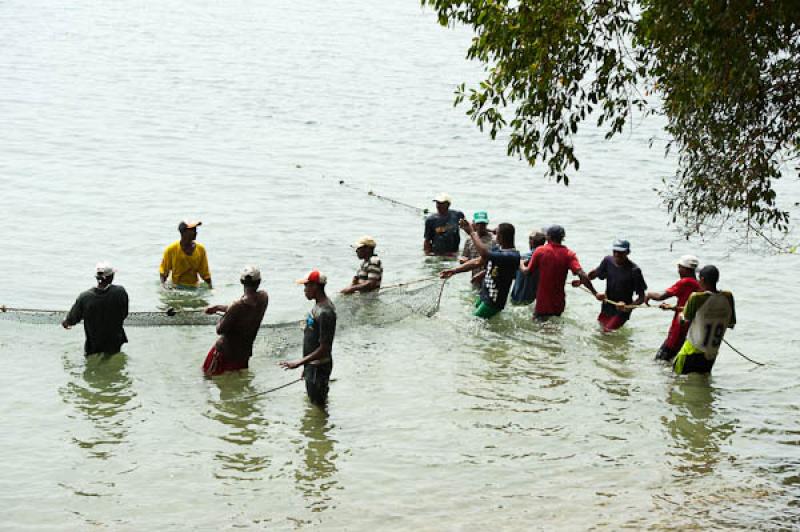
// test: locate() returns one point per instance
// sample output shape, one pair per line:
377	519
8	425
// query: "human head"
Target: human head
480	220
250	277
443	201
556	233
687	265
708	277
505	235
188	229
365	247
104	273
620	249
536	239
313	284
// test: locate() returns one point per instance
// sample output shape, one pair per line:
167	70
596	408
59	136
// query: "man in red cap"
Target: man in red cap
238	327
185	259
318	336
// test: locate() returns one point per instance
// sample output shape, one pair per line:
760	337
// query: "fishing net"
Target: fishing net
390	304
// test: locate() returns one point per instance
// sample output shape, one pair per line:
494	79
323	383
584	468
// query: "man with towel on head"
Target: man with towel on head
185	259
238	327
369	275
103	310
441	228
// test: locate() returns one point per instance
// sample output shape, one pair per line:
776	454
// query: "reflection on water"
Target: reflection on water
101	389
243	424
696	432
184	298
315	478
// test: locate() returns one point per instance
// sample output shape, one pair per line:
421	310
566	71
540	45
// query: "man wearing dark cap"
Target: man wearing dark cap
441	228
552	261
623	279
103	310
709	313
318	336
238	327
185	259
684	287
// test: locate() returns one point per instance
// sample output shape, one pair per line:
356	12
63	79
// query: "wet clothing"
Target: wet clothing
484	310
621	283
216	363
612	322
682	289
552	261
320	328
103	311
524	291
237	331
370	270
442	232
185	268
471	252
501	267
710	314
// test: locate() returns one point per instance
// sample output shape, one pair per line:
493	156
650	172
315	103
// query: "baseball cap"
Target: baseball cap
250	273
621	245
365	241
555	232
443	197
188	224
104	269
689	261
313	277
480	217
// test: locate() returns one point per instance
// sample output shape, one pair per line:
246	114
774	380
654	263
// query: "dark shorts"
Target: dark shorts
612	322
697	363
317	377
666	353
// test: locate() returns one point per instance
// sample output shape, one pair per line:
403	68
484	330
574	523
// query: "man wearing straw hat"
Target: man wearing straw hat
369	275
685	286
317	360
103	310
441	228
238	327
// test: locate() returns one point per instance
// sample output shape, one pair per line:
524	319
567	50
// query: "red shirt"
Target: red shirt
553	261
685	287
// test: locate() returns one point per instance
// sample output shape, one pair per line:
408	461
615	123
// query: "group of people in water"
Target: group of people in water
702	312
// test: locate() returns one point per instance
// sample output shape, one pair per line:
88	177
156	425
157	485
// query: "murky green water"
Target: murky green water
121	119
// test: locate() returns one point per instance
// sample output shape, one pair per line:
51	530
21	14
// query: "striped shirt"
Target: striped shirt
371	270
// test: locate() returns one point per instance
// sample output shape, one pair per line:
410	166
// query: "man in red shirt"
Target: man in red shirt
553	261
686	286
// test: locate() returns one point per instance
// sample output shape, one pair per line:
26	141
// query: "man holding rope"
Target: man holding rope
480	223
685	286
103	310
623	279
238	327
369	275
709	314
185	259
441	228
318	336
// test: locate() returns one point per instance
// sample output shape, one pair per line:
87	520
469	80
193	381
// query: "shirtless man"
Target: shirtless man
238	327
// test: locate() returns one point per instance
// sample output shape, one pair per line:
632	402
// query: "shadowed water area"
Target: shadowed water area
119	119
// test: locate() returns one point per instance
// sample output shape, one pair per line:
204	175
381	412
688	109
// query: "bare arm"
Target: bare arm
362	286
467	266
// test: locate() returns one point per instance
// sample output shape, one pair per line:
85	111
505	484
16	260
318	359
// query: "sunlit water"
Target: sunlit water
119	119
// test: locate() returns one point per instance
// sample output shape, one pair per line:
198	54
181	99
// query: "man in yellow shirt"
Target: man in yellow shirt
185	259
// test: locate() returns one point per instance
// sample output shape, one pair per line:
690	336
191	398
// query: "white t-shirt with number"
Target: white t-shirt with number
711	313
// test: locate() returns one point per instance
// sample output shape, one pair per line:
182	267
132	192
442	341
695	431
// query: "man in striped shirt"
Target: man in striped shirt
369	275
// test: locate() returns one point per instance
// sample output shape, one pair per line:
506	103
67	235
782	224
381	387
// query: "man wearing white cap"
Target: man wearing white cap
685	286
369	275
103	310
441	228
238	327
185	259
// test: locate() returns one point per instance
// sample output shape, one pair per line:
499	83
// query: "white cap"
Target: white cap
250	272
104	269
365	241
689	261
443	197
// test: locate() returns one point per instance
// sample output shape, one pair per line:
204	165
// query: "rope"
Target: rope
386	198
408	283
742	354
265	392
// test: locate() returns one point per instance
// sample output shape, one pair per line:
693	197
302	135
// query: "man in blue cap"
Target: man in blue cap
480	223
623	279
